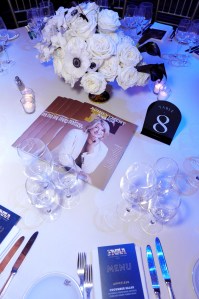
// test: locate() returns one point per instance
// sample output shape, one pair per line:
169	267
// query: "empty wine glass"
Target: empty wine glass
37	159
137	187
166	170
182	38
46	9
162	208
65	178
5	62
129	18
44	196
148	13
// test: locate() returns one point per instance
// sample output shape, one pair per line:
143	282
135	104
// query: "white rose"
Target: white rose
83	28
58	40
127	77
109	68
108	21
93	83
76	43
101	46
128	54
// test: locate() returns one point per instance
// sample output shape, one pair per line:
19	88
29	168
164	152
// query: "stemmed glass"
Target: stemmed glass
148	13
37	159
166	170
162	208
35	21
182	38
137	186
5	62
65	178
45	197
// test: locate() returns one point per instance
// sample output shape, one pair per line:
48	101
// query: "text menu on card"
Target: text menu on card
7	220
119	272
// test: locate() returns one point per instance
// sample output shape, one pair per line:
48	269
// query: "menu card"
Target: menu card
8	219
121	272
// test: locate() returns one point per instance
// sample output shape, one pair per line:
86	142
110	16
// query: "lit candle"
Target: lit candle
158	85
28	102
164	93
29	107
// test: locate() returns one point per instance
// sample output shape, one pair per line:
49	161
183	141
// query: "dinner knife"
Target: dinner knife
18	262
164	268
153	271
10	254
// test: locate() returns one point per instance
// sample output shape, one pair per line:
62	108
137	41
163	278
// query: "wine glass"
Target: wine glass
46	9
5	62
182	38
162	208
65	178
166	170
44	196
37	159
148	13
139	19
137	187
35	21
129	19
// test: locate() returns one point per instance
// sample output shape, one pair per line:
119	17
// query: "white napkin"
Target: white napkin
96	273
7	242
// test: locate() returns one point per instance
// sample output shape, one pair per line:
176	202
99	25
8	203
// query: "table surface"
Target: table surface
81	228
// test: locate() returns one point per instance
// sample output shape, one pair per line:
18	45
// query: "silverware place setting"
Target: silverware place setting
85	274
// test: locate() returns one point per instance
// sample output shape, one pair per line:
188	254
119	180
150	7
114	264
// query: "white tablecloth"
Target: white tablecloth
81	228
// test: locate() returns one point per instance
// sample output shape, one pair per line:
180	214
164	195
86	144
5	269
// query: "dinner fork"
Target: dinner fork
81	265
88	280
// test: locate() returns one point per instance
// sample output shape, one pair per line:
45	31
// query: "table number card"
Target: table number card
161	121
119	272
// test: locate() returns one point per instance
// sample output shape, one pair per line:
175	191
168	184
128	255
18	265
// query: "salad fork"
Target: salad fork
81	265
88	280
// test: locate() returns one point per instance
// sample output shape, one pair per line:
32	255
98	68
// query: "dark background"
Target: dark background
8	19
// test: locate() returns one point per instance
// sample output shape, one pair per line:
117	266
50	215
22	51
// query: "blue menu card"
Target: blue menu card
119	272
7	220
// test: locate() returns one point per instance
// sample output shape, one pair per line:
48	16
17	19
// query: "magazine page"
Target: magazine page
94	137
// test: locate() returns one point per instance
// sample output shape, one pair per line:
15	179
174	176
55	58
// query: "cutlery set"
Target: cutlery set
153	270
18	262
85	273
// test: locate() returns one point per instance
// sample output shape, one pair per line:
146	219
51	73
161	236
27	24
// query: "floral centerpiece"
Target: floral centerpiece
87	46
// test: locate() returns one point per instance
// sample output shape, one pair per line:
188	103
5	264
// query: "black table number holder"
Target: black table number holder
161	121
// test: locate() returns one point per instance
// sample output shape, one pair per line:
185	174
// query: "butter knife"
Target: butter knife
153	272
10	254
18	263
164	268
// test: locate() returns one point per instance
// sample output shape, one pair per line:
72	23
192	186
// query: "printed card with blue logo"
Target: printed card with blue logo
120	272
7	220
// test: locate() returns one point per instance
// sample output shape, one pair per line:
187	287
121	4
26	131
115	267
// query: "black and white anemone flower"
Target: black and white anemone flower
76	62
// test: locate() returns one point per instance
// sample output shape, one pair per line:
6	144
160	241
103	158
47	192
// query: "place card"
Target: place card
119	269
161	121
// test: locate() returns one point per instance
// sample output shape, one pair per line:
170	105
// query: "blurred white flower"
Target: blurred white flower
93	83
109	68
108	21
128	54
101	46
127	77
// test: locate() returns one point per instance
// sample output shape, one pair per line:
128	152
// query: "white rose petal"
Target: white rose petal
128	54
109	68
84	28
93	83
101	46
127	77
108	21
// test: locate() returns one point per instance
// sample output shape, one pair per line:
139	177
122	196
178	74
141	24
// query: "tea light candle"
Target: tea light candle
158	85
164	93
29	107
28	101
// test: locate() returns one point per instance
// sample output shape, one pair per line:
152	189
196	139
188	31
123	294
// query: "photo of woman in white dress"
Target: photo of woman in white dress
85	146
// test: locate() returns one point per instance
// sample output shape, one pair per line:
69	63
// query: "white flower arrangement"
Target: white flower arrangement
86	45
